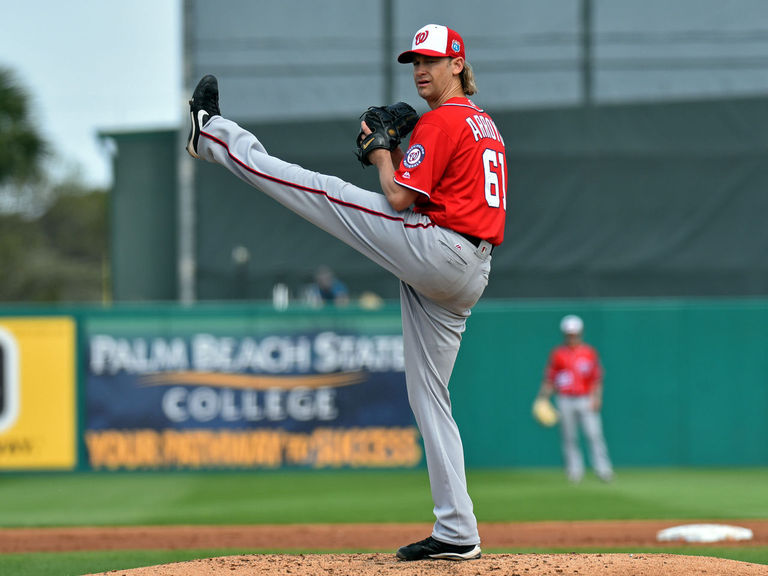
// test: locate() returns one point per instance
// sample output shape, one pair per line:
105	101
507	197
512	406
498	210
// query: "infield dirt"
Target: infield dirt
388	537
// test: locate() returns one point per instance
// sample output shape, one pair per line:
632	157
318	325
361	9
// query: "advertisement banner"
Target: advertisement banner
38	415
216	395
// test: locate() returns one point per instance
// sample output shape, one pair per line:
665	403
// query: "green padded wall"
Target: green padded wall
686	381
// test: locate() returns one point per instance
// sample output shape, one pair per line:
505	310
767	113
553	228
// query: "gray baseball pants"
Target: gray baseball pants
442	276
575	412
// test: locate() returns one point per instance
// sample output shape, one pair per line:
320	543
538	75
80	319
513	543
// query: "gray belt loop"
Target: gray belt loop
484	249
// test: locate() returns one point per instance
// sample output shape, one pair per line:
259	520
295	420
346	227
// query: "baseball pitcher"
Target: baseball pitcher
440	217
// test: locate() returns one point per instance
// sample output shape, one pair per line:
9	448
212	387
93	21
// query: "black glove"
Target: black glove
388	124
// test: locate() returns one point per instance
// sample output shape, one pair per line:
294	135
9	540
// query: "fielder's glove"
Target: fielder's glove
544	413
388	124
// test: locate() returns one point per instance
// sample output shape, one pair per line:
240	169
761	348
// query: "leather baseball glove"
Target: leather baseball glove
544	413
388	124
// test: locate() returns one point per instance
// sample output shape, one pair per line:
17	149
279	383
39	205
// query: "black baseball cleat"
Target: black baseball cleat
436	550
204	104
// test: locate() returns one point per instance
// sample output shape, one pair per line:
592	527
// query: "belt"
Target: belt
475	241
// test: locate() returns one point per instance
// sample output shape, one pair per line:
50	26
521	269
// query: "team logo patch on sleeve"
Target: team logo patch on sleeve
414	156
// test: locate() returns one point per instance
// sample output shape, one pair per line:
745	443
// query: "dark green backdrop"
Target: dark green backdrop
630	200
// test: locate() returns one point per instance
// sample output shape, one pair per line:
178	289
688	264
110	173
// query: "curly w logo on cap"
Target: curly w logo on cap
434	40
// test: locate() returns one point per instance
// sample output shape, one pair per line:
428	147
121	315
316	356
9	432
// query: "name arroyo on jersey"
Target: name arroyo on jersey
483	127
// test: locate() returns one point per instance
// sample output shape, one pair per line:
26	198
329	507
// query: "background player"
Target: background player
327	288
574	372
442	213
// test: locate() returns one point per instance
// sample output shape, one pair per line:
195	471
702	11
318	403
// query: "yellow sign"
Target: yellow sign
38	414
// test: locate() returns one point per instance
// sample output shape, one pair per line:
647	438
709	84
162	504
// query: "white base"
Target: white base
704	533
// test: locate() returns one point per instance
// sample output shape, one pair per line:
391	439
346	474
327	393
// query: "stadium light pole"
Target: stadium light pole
388	43
587	87
185	218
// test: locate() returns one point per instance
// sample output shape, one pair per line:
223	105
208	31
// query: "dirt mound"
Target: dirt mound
501	564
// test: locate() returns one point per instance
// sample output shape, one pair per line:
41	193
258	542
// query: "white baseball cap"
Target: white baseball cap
434	40
571	324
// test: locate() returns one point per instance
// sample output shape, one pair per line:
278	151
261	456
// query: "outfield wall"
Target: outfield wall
686	382
245	386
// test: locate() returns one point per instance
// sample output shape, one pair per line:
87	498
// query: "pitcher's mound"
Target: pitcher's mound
492	564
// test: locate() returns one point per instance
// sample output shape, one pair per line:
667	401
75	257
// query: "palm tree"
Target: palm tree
22	146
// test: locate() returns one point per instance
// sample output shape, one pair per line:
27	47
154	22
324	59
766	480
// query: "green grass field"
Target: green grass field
352	496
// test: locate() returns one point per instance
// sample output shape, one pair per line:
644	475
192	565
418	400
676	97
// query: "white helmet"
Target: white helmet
571	324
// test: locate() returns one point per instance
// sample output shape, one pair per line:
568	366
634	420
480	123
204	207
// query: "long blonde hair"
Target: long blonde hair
467	77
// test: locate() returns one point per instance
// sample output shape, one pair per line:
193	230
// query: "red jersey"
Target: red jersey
574	371
456	163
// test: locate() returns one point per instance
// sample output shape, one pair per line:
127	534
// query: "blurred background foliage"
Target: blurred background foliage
53	234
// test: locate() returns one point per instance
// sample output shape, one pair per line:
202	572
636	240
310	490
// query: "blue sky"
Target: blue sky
91	66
